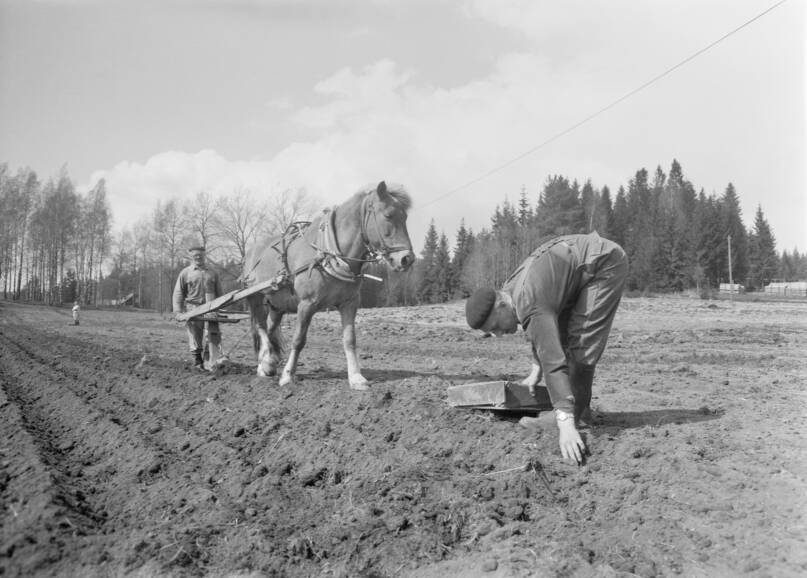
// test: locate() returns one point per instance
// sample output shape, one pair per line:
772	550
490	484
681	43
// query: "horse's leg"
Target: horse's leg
305	311
260	337
354	376
275	341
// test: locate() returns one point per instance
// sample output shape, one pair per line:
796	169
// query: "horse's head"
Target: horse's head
385	226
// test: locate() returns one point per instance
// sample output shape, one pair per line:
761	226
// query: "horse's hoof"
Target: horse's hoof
271	372
358	385
286	380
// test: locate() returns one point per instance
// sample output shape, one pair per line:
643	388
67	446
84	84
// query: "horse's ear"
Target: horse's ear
381	189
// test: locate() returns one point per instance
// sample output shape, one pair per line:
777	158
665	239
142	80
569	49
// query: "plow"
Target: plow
216	311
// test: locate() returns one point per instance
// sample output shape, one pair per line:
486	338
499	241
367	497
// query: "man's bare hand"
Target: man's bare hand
533	378
571	444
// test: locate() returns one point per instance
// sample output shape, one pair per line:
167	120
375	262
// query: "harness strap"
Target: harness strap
328	255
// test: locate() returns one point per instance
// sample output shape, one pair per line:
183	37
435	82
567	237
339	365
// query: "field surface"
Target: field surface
117	460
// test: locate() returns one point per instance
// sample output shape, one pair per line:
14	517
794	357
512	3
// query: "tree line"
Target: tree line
53	241
676	238
57	245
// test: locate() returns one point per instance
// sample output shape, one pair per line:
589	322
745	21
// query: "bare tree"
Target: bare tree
169	228
53	226
123	251
240	220
90	242
143	235
199	215
288	207
17	197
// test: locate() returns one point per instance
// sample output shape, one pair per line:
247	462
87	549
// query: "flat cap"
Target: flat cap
479	306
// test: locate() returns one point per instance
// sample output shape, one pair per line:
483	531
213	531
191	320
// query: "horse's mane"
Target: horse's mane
398	193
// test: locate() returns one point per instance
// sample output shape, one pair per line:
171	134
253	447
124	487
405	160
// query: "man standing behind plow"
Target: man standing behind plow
198	284
565	296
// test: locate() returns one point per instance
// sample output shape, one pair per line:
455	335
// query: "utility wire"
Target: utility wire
590	117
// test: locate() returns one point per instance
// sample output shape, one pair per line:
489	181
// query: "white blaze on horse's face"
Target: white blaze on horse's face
390	228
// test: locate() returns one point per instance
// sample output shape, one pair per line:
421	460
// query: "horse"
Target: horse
316	266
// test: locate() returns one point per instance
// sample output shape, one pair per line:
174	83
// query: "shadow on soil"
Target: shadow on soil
612	422
655	418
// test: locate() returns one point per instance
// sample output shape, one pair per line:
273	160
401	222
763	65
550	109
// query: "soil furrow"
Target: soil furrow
695	465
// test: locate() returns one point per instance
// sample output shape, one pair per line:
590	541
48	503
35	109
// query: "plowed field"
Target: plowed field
117	460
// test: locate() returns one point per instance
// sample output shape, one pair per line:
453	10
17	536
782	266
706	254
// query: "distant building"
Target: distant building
787	288
731	288
127	300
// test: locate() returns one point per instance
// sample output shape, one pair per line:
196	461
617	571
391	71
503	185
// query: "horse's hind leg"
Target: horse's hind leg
354	376
260	336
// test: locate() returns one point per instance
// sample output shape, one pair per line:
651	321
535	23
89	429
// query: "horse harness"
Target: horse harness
328	256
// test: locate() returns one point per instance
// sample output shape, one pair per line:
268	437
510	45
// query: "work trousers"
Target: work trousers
196	331
585	326
196	334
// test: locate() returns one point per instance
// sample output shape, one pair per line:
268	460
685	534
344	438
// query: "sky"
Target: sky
467	103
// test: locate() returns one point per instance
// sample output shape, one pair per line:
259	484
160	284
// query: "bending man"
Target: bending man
565	296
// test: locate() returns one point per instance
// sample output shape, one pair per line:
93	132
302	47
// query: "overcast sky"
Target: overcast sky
167	98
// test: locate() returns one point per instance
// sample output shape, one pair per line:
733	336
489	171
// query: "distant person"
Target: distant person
76	311
565	296
198	284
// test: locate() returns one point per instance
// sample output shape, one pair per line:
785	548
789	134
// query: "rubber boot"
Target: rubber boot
198	362
582	378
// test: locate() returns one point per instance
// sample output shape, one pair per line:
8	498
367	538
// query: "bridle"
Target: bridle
384	250
372	253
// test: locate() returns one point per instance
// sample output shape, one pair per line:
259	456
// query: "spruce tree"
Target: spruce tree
427	286
604	223
763	260
787	268
733	225
442	271
711	252
588	199
799	262
620	222
462	251
505	232
641	236
677	208
525	214
559	208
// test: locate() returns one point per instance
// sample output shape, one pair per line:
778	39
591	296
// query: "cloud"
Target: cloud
447	144
134	189
375	123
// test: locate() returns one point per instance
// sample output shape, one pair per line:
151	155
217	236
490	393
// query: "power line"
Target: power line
593	115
